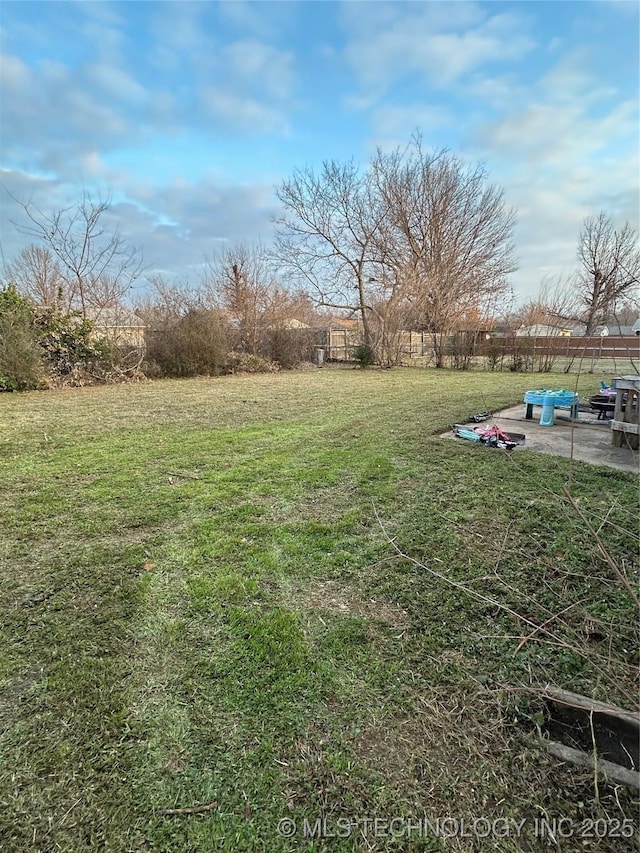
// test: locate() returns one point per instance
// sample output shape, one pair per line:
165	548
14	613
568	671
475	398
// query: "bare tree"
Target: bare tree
186	333
36	273
168	301
241	279
326	237
445	243
92	258
553	307
609	268
550	315
628	311
417	238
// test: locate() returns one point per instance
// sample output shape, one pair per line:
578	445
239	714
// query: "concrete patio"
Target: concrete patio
587	439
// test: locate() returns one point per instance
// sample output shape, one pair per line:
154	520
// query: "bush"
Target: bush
364	355
21	361
522	355
66	342
461	348
244	362
289	347
194	345
495	353
42	346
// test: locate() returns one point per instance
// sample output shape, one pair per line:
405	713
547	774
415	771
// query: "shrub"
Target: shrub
364	355
66	341
495	353
461	348
21	362
244	362
289	347
193	345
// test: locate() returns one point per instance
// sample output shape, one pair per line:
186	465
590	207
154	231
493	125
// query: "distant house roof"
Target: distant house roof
542	330
292	323
612	329
615	329
337	323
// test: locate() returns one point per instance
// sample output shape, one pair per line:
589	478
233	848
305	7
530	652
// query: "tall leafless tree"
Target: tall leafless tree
609	270
36	273
326	236
92	258
417	238
241	279
553	307
445	242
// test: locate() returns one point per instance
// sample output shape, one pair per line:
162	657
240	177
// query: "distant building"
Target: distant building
542	330
292	323
119	326
610	329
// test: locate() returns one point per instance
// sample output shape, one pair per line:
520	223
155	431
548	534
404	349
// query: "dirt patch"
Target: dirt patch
334	597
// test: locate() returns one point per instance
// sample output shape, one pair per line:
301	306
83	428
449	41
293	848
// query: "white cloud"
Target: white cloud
565	164
176	225
252	89
264	20
369	19
394	124
91	164
115	82
14	73
259	66
561	136
420	39
564	146
239	113
180	27
628	7
53	115
499	92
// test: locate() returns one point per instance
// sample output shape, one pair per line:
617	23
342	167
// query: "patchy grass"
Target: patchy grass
202	602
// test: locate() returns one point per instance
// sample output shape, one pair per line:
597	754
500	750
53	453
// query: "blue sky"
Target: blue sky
190	113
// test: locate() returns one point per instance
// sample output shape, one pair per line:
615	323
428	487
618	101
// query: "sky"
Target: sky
188	115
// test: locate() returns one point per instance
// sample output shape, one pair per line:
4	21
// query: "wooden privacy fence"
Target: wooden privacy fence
341	342
609	346
339	345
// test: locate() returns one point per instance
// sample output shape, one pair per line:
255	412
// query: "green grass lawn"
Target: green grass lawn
203	603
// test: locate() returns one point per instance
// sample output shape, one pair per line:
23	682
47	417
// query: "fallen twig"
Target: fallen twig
595	758
450	581
544	625
540	629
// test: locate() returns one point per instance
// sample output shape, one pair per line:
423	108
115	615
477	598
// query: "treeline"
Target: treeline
238	319
414	240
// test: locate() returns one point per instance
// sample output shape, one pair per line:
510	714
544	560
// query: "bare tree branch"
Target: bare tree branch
97	265
36	273
609	268
417	239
